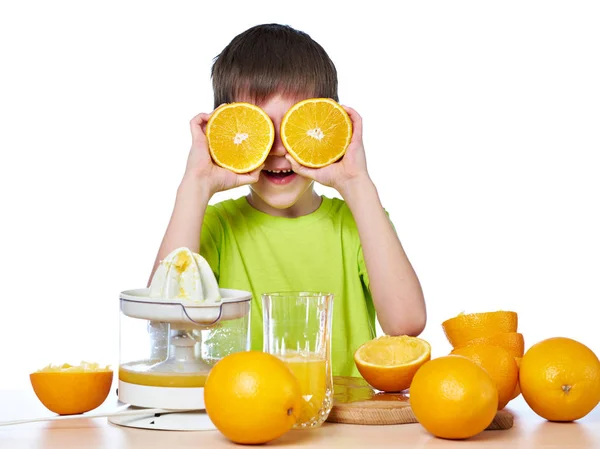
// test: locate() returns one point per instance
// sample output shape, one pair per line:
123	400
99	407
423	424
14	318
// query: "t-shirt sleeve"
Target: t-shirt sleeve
211	238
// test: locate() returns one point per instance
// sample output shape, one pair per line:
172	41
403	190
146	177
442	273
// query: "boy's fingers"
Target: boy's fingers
250	178
255	174
198	123
197	119
300	169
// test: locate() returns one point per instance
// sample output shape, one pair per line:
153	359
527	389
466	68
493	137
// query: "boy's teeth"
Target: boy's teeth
279	171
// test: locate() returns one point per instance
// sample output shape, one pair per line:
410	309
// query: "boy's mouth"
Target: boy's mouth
279	176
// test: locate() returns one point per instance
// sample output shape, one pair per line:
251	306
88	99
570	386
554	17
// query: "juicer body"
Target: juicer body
167	347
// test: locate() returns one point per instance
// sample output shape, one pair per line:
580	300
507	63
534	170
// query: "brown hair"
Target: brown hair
272	58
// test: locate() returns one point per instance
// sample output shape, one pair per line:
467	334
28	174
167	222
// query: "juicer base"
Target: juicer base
181	420
174	398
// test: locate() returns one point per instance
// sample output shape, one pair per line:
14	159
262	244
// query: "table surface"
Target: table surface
529	431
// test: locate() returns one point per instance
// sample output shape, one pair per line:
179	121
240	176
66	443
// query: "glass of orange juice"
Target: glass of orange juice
297	329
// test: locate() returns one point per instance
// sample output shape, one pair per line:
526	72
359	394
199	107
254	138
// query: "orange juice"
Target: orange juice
138	373
315	384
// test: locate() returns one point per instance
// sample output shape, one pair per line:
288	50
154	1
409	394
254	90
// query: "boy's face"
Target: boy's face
278	186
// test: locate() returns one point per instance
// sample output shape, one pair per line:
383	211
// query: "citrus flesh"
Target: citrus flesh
389	363
240	136
71	389
316	132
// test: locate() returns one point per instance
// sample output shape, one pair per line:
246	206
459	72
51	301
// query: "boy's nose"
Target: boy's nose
278	149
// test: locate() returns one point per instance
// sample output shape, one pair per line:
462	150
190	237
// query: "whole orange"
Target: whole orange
499	364
560	379
517	388
252	397
453	397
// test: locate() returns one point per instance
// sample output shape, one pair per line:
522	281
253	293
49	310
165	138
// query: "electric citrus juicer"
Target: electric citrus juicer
171	334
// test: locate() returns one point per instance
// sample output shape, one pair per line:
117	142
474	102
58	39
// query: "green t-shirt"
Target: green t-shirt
253	251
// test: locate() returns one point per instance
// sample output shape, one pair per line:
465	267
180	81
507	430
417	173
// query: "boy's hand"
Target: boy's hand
350	169
201	167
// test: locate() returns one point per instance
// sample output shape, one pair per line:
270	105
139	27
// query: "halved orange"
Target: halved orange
389	363
464	327
67	389
316	132
513	342
240	136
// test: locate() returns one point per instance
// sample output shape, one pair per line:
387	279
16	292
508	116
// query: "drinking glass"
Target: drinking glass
297	329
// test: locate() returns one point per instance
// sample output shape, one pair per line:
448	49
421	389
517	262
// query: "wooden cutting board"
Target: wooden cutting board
356	402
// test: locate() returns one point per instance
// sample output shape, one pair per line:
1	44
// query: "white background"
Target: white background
481	125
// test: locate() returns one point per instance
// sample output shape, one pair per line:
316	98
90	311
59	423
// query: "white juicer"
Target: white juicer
171	334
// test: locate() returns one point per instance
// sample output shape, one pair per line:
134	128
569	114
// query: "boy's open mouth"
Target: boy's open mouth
279	176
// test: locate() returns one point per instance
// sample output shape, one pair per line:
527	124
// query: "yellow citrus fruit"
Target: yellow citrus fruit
499	364
464	327
453	397
513	342
316	132
560	379
252	397
240	136
517	387
67	389
389	363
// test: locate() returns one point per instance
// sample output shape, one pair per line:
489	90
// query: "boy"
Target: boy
283	236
